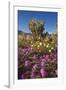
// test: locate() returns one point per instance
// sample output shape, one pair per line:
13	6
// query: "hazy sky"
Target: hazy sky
24	17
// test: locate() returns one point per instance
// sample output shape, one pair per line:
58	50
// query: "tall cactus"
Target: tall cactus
36	27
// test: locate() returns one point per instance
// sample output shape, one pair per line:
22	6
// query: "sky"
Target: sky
50	19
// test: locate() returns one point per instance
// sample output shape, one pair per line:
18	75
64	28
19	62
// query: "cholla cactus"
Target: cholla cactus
36	27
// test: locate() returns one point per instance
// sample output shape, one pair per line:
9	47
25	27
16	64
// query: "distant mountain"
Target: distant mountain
21	32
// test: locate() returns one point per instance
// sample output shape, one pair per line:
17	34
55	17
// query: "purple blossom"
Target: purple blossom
42	63
34	57
43	60
27	63
33	73
42	72
35	66
43	56
46	57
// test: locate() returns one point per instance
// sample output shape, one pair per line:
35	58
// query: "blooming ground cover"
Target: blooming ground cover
37	55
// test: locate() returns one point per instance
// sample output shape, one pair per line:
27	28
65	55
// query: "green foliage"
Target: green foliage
23	42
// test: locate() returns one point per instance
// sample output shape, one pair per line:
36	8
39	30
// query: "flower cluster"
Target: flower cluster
33	64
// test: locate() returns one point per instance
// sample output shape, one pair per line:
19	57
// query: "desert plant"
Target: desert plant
36	27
